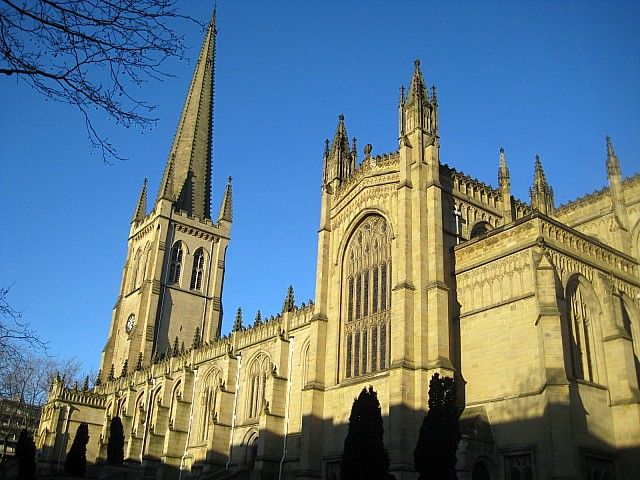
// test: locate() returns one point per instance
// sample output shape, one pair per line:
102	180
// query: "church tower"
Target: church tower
170	293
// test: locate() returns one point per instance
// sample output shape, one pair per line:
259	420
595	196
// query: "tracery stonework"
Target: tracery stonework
420	269
366	325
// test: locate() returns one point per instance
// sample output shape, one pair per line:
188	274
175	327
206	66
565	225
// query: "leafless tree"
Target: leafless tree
92	54
24	386
15	333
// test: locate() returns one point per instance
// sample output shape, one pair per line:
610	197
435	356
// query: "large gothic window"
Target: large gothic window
198	269
257	384
581	321
367	298
175	267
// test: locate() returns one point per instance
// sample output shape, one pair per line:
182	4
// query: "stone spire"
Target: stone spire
141	207
503	172
187	176
417	90
613	164
226	208
504	187
541	193
622	240
418	111
339	162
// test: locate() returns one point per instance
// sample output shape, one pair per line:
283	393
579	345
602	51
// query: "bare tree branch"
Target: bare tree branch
92	54
15	333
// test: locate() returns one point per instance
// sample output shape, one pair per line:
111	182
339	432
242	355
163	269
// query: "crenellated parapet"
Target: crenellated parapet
470	187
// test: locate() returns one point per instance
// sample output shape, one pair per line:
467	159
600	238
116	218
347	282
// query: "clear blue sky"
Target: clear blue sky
535	77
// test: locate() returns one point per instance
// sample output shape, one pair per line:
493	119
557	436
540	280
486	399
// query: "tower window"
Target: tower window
198	270
366	274
175	268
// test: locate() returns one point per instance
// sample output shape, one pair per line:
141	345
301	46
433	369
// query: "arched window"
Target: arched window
631	327
581	322
198	269
175	267
367	300
208	397
136	271
143	271
138	415
480	228
257	384
152	416
176	396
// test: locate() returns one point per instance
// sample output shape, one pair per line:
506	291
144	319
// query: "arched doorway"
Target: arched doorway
251	451
480	472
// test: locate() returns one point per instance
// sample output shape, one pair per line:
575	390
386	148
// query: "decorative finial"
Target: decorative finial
502	150
613	164
367	150
416	62
341	118
402	94
258	320
434	98
326	147
229	180
289	301
237	324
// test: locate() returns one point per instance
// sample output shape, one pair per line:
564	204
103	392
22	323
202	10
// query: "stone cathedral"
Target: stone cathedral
534	308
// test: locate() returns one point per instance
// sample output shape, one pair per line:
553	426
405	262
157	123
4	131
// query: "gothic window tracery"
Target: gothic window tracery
581	322
208	397
519	466
257	385
198	269
367	298
175	267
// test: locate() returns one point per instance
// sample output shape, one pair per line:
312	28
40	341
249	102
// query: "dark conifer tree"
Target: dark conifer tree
435	453
76	463
364	455
115	446
26	456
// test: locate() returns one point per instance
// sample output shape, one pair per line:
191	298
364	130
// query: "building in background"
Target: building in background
421	269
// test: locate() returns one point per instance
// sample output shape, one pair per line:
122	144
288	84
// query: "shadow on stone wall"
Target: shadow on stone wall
558	442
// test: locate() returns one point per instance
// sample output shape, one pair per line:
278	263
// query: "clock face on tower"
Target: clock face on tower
130	322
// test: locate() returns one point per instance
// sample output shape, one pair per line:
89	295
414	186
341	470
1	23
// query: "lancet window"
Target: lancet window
136	271
367	300
198	270
208	398
581	321
257	384
632	330
175	267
